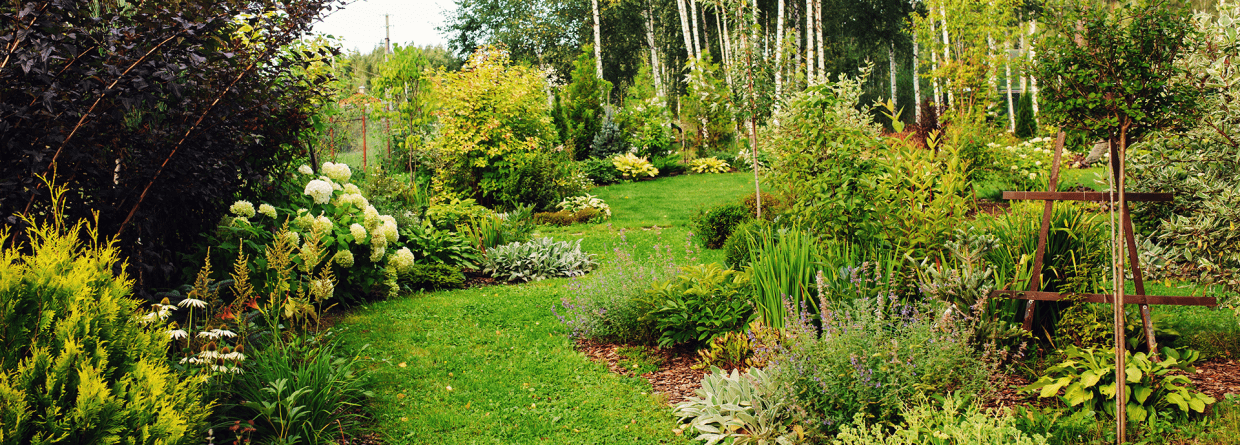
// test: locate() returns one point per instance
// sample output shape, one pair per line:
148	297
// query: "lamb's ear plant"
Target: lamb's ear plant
739	408
80	363
538	259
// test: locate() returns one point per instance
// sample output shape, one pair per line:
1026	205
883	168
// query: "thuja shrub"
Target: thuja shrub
870	356
714	226
78	364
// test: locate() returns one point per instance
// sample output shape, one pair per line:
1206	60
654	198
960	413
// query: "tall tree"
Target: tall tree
598	44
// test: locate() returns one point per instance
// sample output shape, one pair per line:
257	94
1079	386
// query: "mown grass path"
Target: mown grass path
494	365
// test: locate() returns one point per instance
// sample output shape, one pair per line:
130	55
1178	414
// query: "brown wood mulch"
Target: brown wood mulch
675	379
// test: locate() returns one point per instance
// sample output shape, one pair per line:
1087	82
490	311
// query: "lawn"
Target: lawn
494	365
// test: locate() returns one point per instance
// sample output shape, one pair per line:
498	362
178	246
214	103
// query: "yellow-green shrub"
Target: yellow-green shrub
78	362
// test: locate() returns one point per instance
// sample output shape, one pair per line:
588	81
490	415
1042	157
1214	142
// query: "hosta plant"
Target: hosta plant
574	204
709	165
631	166
1086	377
538	259
738	409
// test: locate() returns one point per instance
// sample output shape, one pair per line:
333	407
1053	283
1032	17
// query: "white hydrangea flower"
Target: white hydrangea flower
305	170
387	230
402	260
352	189
267	209
242	208
320	190
371	216
292	238
358	232
338	172
1034	176
344	258
357	201
322	224
240	221
303	222
376	254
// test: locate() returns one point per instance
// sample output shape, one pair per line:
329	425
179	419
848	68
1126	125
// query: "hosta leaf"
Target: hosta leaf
1136	412
1141	393
1089	378
1076	394
1197	404
1177	400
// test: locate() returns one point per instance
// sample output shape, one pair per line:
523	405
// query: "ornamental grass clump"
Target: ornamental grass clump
80	365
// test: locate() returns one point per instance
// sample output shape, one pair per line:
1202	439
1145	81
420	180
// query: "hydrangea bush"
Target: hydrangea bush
360	242
1027	165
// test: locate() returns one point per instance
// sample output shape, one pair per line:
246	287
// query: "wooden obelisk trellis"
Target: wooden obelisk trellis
1035	293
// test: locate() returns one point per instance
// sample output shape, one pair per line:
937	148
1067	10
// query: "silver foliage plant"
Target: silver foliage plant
538	259
740	407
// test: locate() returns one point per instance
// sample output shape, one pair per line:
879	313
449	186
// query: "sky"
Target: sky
360	24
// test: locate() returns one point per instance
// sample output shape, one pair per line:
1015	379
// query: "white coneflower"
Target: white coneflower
224	333
358	232
192	302
267	209
305	169
242	208
320	190
208	335
178	334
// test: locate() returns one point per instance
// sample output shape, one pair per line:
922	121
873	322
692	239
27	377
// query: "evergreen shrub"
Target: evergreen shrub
79	363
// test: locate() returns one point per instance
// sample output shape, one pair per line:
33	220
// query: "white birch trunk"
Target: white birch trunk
598	44
1007	71
697	37
934	66
822	43
891	64
684	27
916	81
779	53
946	49
1033	81
809	43
648	14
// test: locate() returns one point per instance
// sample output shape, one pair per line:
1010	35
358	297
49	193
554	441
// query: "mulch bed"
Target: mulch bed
674	379
677	381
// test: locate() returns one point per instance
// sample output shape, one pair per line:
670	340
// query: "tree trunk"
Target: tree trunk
916	81
1007	81
697	37
822	43
946	49
1033	81
684	27
891	66
598	44
934	66
810	59
779	53
648	14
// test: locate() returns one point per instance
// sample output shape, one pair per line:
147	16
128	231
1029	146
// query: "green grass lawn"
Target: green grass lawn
494	365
